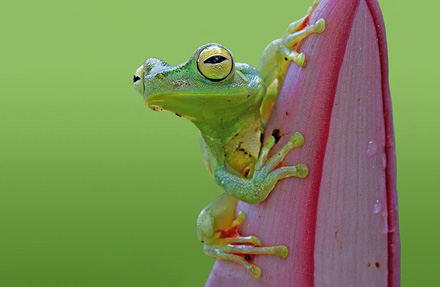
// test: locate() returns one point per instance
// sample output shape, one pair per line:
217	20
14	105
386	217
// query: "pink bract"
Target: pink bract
340	223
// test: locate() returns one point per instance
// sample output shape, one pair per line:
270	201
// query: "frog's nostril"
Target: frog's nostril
136	78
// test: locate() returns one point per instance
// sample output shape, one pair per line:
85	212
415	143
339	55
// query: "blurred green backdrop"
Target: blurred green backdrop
97	190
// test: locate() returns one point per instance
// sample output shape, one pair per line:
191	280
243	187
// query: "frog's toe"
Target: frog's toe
302	170
319	26
255	270
244	240
244	254
246	262
297	140
298	58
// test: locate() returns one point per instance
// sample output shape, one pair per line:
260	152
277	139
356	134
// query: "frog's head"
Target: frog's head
209	84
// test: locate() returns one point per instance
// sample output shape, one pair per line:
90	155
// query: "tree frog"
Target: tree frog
229	103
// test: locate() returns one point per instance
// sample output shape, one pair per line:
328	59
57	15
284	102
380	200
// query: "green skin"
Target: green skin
224	100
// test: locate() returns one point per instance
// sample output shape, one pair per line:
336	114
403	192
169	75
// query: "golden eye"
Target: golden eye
215	63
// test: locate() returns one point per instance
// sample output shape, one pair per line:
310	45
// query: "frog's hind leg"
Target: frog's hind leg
218	230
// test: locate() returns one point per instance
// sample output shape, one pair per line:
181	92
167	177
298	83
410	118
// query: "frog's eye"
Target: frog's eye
215	63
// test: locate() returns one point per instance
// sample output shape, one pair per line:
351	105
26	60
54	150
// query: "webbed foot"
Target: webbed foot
267	172
264	167
298	31
229	245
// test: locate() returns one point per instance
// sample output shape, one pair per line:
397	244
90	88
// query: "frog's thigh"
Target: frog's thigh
217	215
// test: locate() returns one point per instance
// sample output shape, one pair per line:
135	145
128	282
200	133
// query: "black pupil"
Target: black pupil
215	60
136	78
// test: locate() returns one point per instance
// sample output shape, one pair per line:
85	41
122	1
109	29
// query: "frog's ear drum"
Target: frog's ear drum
215	63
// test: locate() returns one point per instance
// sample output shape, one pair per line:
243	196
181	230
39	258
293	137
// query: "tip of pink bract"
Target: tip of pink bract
340	224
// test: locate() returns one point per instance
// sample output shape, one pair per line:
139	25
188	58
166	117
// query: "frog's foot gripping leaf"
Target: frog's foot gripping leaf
269	171
278	54
266	172
229	245
298	31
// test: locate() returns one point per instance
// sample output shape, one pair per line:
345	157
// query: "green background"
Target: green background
97	190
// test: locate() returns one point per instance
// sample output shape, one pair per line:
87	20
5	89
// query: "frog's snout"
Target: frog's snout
138	81
146	73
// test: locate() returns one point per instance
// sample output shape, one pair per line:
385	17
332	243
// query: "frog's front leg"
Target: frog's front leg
218	230
278	53
265	176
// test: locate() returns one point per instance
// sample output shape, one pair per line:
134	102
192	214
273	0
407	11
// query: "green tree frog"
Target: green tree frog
229	103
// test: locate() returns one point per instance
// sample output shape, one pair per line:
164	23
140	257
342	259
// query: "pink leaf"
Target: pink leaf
340	224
